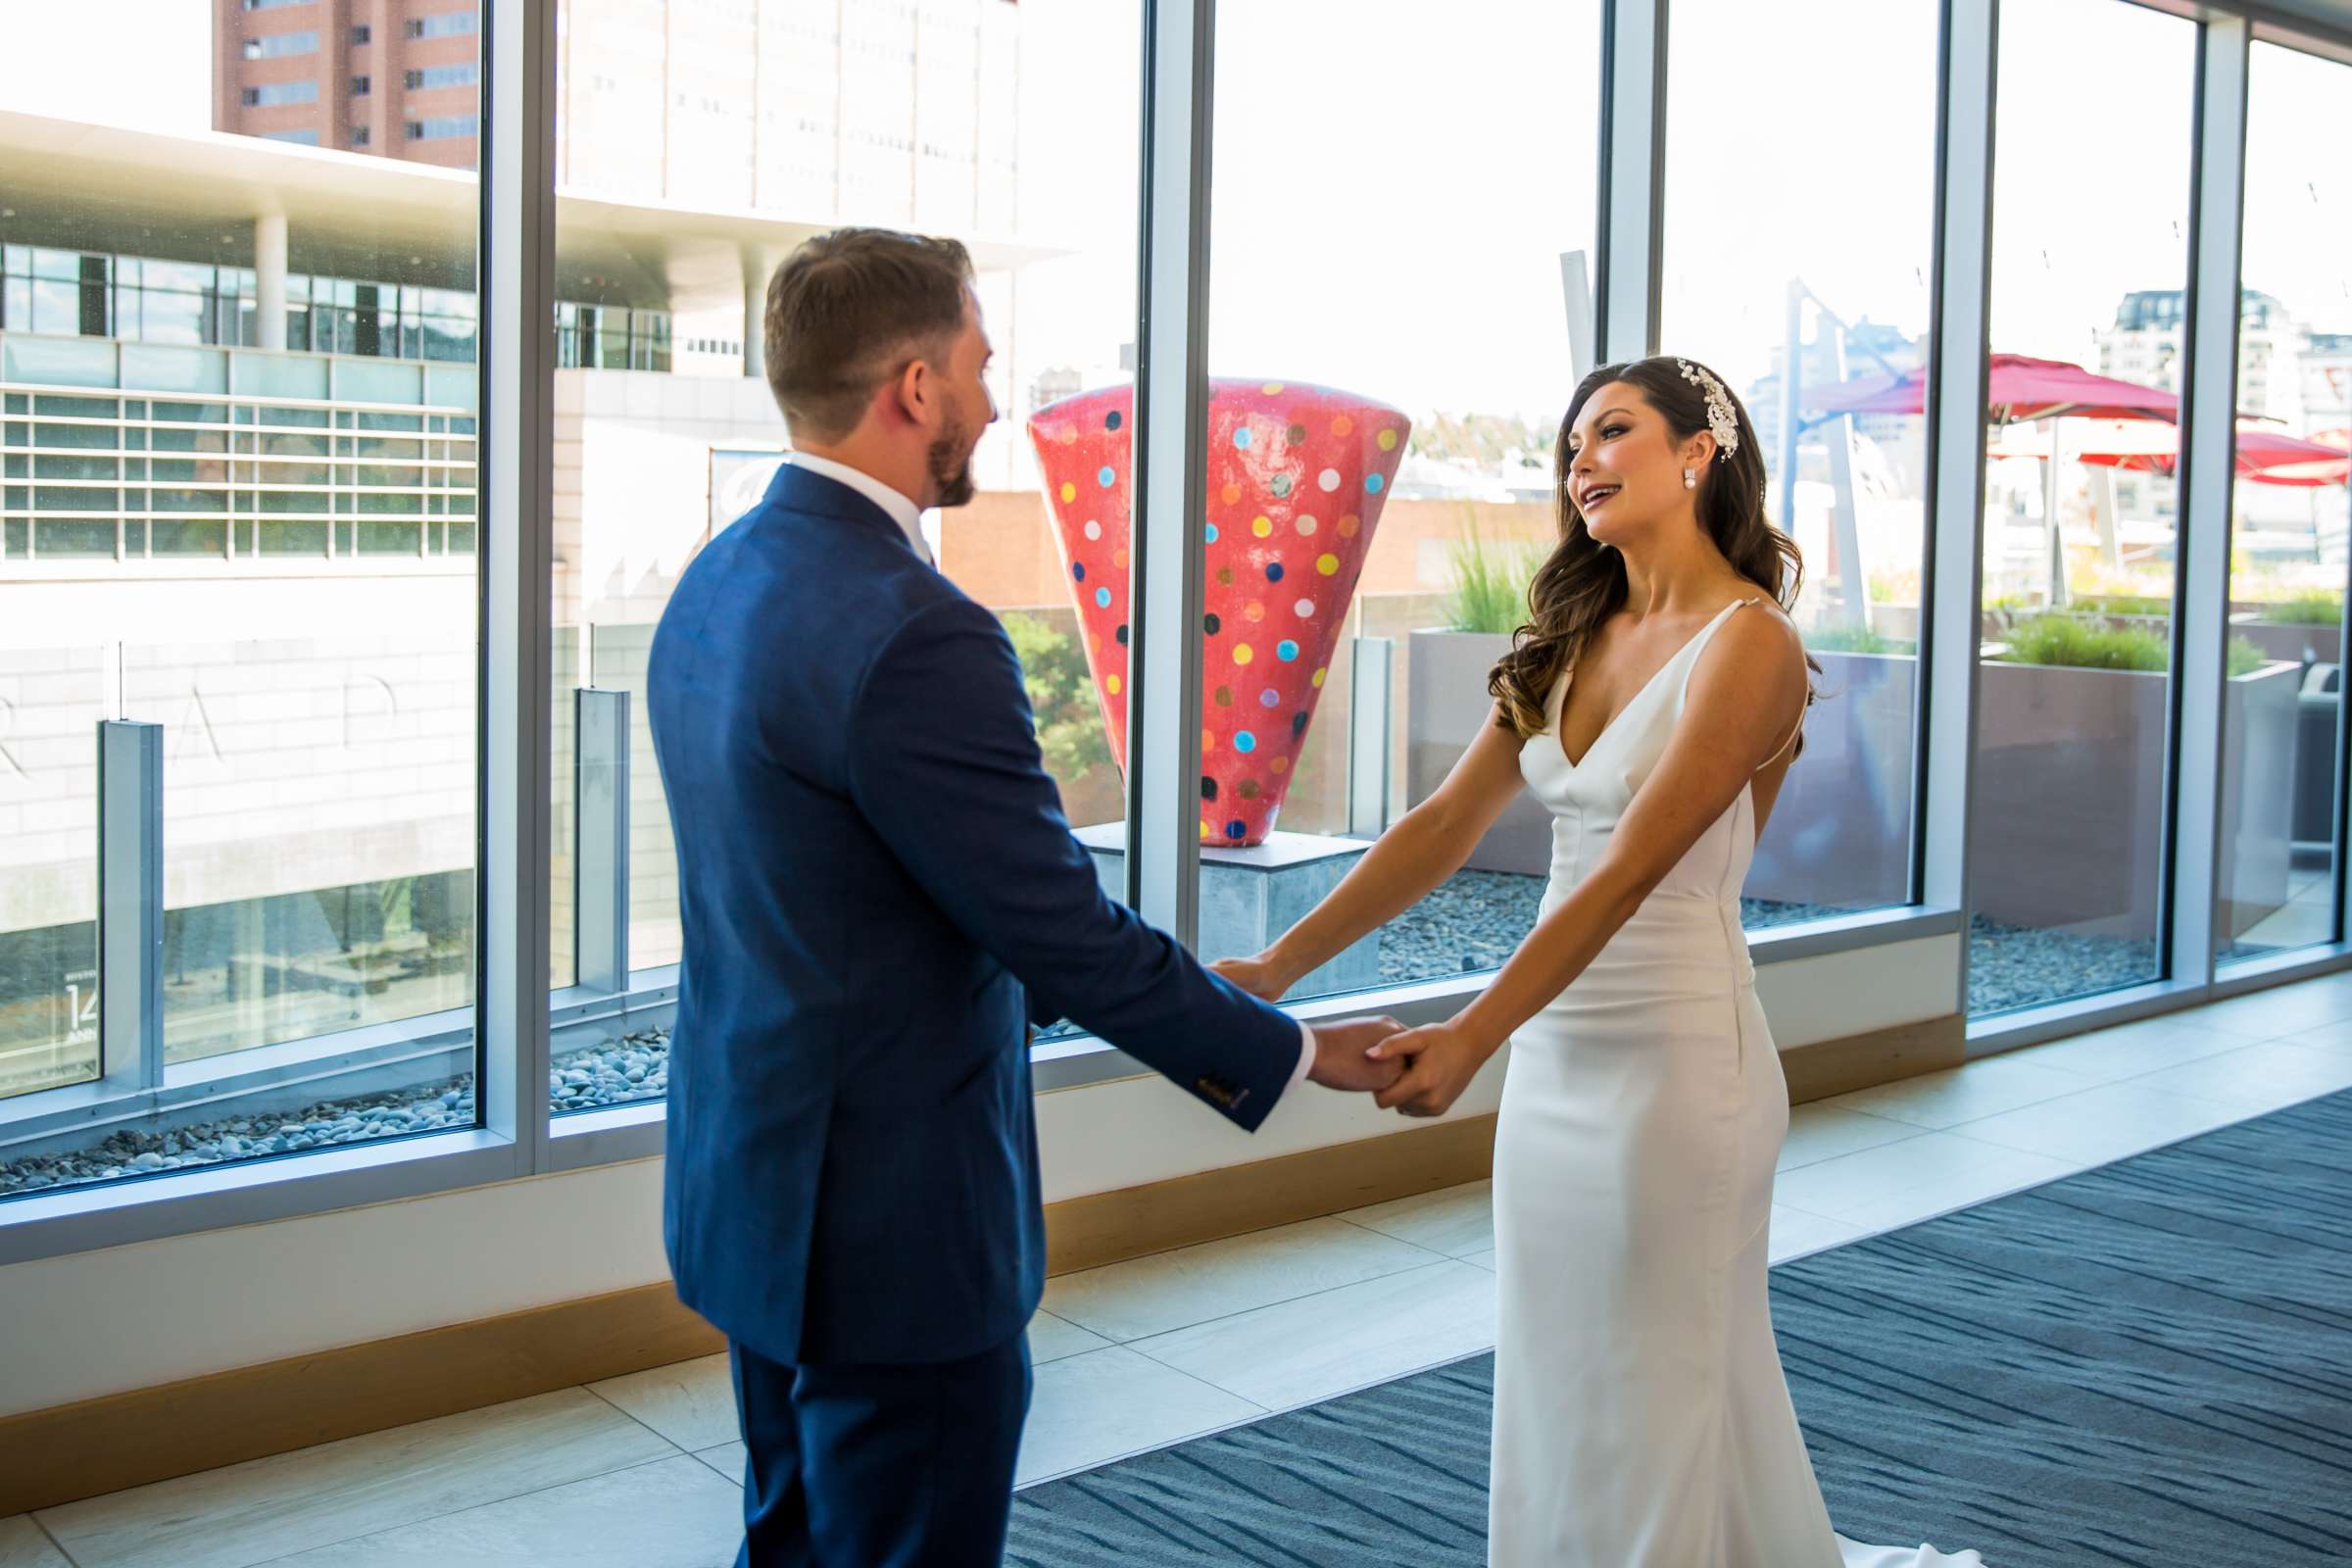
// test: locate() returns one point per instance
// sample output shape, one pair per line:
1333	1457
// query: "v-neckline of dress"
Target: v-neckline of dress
1559	720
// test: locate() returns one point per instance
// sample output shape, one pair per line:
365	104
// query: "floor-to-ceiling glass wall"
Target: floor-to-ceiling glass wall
2090	232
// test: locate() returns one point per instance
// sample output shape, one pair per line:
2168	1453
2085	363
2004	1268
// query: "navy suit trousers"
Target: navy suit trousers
880	1466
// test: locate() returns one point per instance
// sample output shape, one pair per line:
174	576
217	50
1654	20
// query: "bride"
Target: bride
1654	704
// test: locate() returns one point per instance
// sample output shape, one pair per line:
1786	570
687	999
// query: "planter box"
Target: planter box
2296	643
1900	621
2071	802
1839	834
1445	702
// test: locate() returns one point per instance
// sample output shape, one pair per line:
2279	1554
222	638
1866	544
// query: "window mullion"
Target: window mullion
1949	624
518	241
2208	461
1171	399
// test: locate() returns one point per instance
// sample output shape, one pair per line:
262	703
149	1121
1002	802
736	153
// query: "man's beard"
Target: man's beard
951	462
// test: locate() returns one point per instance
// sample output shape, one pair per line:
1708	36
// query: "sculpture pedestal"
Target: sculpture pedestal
1249	896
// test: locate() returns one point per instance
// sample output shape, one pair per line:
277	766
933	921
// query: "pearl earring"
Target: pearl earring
1689	478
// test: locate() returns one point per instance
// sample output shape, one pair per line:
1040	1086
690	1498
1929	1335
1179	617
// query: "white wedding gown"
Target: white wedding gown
1640	1418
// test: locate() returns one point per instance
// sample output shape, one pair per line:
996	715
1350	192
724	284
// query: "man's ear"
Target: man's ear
910	391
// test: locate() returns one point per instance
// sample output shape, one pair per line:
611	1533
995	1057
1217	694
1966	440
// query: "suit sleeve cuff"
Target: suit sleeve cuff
1306	1057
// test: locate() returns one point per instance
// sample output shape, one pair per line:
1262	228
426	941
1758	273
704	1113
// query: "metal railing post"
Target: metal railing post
131	902
601	838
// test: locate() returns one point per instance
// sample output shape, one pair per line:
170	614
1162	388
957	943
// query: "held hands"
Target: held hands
1346	1053
1420	1072
1441	1060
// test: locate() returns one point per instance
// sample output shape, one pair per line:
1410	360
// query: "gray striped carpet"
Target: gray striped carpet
2146	1364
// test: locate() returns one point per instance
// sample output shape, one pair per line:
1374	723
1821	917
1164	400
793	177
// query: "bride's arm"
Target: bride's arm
1745	695
1426	846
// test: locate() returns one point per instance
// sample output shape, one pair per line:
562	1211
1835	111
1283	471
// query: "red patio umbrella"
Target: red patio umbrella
2262	456
2017	388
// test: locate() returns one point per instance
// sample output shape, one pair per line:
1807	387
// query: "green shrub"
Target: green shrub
2129	604
1848	639
2075	642
1489	583
1061	696
2306	609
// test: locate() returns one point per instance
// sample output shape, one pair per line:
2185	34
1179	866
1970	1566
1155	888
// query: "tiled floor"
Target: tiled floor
641	1470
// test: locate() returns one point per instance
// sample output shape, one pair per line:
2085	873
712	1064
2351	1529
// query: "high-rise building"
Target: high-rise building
400	78
2146	345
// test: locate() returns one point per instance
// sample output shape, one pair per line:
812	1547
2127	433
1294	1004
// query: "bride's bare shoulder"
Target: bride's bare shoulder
1758	650
1759	622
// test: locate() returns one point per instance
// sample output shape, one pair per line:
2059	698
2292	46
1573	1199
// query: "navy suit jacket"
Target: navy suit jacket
879	894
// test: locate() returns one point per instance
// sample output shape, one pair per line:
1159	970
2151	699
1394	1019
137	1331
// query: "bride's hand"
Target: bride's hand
1441	1062
1258	976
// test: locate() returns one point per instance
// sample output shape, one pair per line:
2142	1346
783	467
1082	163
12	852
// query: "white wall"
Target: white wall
129	1317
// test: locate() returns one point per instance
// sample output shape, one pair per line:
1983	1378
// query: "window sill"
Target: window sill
145	1209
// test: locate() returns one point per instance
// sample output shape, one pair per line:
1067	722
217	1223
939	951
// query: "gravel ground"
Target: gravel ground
1475	920
2015	966
634	1067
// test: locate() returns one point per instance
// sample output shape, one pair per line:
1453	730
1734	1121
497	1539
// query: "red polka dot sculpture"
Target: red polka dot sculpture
1296	477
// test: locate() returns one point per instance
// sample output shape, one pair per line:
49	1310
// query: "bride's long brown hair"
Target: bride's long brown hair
1582	584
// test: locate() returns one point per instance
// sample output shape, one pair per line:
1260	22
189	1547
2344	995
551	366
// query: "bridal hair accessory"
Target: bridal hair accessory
1720	422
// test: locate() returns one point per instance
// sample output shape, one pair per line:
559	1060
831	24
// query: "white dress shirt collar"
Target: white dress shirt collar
903	512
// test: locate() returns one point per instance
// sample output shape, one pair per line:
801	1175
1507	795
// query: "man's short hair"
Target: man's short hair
849	308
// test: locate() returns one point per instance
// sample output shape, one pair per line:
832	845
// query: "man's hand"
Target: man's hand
1443	1059
1258	976
1341	1053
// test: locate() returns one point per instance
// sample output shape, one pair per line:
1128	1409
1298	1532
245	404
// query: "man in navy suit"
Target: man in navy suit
881	900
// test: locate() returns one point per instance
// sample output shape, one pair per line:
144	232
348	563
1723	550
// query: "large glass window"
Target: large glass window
667	431
279	45
443	128
238	653
447	24
2284	699
1390	328
274	94
462	74
1804	288
2066	858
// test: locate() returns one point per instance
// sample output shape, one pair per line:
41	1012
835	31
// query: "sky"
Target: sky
1393	183
144	63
